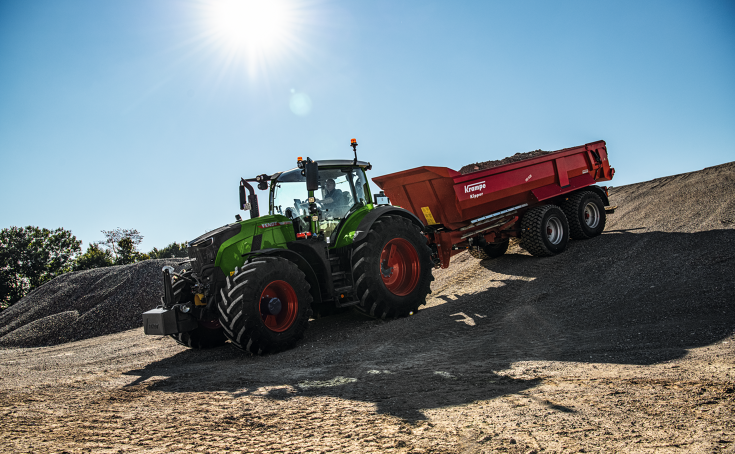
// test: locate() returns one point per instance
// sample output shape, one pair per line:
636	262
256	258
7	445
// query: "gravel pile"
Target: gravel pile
84	304
476	167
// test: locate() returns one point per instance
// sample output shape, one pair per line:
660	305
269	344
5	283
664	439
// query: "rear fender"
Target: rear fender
369	219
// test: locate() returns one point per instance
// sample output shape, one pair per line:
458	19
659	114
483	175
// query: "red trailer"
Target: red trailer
542	200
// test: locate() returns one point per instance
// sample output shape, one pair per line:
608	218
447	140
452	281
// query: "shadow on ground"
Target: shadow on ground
624	298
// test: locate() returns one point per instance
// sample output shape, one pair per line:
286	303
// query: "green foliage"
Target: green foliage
30	256
95	257
122	244
130	239
126	252
173	250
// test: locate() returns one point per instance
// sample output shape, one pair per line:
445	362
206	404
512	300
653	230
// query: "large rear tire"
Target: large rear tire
265	306
544	231
490	250
586	215
208	334
391	269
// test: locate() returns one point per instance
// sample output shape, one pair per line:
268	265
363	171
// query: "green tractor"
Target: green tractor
324	245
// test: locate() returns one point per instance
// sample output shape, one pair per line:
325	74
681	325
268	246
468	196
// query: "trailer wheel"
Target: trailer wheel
391	269
208	334
544	231
586	214
489	251
265	306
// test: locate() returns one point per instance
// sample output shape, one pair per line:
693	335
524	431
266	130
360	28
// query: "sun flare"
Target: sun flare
256	25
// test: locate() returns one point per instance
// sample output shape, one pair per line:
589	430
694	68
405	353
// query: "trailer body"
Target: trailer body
461	210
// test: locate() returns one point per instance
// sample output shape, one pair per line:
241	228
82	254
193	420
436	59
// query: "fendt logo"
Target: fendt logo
479	186
268	225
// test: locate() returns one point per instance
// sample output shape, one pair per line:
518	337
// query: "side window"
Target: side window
359	180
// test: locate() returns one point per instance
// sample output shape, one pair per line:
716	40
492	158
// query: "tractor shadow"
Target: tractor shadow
621	298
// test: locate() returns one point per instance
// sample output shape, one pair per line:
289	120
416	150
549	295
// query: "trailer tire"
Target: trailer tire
248	296
490	250
208	334
586	215
391	268
544	231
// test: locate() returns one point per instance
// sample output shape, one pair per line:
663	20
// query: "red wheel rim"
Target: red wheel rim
399	267
289	306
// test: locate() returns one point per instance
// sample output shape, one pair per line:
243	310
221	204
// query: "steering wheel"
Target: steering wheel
305	205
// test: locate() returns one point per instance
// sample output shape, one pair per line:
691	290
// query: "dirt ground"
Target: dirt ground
623	343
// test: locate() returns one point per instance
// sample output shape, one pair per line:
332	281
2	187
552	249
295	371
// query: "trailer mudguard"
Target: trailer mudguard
601	192
372	216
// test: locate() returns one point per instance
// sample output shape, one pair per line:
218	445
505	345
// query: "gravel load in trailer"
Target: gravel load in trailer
542	201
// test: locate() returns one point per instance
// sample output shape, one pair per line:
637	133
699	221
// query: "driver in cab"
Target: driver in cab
333	199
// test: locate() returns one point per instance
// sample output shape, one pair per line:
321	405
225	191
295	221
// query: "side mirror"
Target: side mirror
244	205
311	171
381	199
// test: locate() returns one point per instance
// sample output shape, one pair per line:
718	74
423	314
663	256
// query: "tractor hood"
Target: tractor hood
203	249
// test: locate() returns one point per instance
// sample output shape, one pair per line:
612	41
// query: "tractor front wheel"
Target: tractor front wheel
391	269
265	306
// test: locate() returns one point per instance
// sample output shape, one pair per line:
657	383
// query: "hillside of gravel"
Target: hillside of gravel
84	304
623	343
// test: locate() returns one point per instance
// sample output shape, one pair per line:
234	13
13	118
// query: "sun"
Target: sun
258	28
255	25
255	36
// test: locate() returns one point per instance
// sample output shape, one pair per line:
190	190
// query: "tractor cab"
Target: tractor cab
342	188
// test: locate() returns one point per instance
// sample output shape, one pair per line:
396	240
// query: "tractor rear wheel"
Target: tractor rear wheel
208	334
265	306
544	231
586	215
490	250
391	269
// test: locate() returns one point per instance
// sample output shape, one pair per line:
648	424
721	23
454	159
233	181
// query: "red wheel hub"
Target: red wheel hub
278	306
400	267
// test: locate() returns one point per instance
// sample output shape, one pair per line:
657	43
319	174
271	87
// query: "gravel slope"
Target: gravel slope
623	343
84	304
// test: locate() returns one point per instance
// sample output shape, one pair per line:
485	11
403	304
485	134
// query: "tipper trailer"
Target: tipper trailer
326	244
541	200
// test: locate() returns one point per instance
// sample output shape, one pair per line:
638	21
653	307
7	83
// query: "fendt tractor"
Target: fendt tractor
257	282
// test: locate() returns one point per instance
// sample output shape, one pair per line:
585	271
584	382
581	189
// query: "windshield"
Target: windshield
340	191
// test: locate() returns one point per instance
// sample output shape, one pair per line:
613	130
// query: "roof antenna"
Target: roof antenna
353	144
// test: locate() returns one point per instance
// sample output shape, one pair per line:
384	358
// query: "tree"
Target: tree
95	257
30	256
113	238
173	250
127	252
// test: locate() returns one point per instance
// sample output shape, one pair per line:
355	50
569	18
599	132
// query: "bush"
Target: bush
30	256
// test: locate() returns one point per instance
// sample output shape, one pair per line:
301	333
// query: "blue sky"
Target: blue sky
140	114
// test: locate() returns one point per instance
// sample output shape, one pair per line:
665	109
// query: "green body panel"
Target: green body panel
277	230
347	232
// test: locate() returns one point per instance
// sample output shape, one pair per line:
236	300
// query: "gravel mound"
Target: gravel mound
686	203
476	167
84	304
